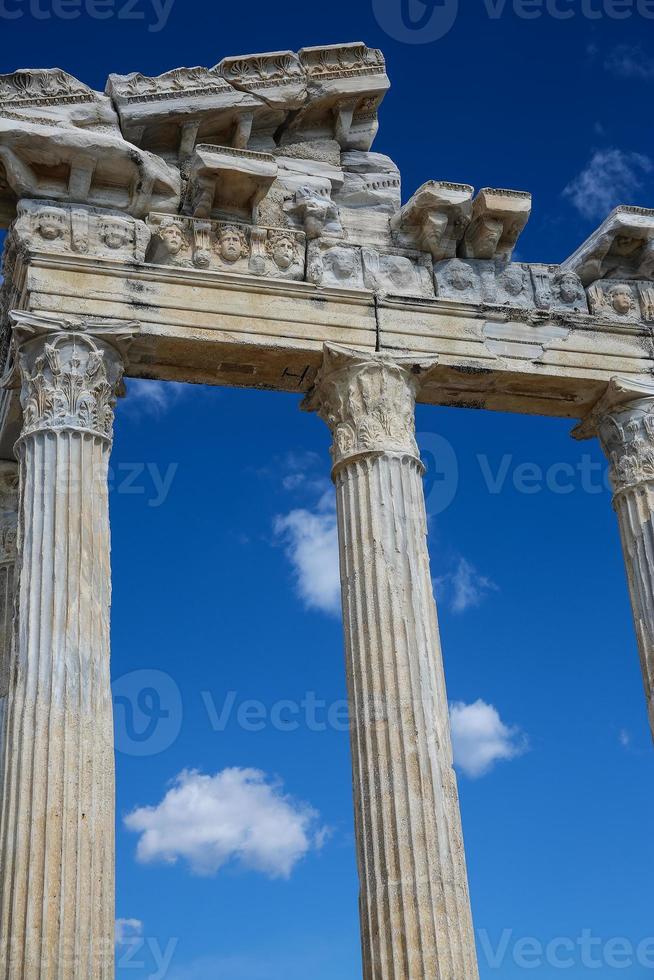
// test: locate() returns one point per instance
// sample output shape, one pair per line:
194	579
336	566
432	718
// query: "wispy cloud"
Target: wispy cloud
151	397
611	177
465	587
127	930
630	61
481	739
236	815
309	532
311	543
625	738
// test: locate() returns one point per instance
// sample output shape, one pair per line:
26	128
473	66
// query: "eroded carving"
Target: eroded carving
334	265
227	246
621	248
367	400
435	218
399	274
619	300
498	218
51	227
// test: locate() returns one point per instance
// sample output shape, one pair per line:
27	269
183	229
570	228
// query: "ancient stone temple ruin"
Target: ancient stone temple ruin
231	226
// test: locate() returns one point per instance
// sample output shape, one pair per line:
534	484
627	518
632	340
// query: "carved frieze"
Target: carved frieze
41	88
398	273
276	76
538	287
620	301
51	227
334	264
225	246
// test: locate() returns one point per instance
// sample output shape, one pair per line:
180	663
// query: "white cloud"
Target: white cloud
311	544
481	739
466	588
625	738
151	397
630	61
236	815
611	177
127	930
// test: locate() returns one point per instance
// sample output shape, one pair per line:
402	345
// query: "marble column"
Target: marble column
57	826
416	922
8	533
624	421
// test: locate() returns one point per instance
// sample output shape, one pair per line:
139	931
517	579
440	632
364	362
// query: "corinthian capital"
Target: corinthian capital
368	401
623	419
69	374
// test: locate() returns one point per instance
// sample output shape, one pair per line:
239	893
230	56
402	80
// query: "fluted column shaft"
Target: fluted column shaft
57	827
8	535
415	910
626	434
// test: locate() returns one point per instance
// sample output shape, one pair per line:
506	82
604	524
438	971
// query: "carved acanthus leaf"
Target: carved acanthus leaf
368	402
627	437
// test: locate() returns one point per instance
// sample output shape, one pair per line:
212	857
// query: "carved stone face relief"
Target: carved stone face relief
116	233
460	276
514	280
50	223
283	251
341	263
622	300
569	288
232	244
173	237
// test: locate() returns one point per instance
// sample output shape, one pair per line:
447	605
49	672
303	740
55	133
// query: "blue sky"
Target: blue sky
223	553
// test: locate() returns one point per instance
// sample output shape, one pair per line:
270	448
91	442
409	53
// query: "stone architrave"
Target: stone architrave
415	910
57	826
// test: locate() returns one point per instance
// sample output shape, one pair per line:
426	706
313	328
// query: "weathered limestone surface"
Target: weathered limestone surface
8	538
57	824
624	421
621	248
415	910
